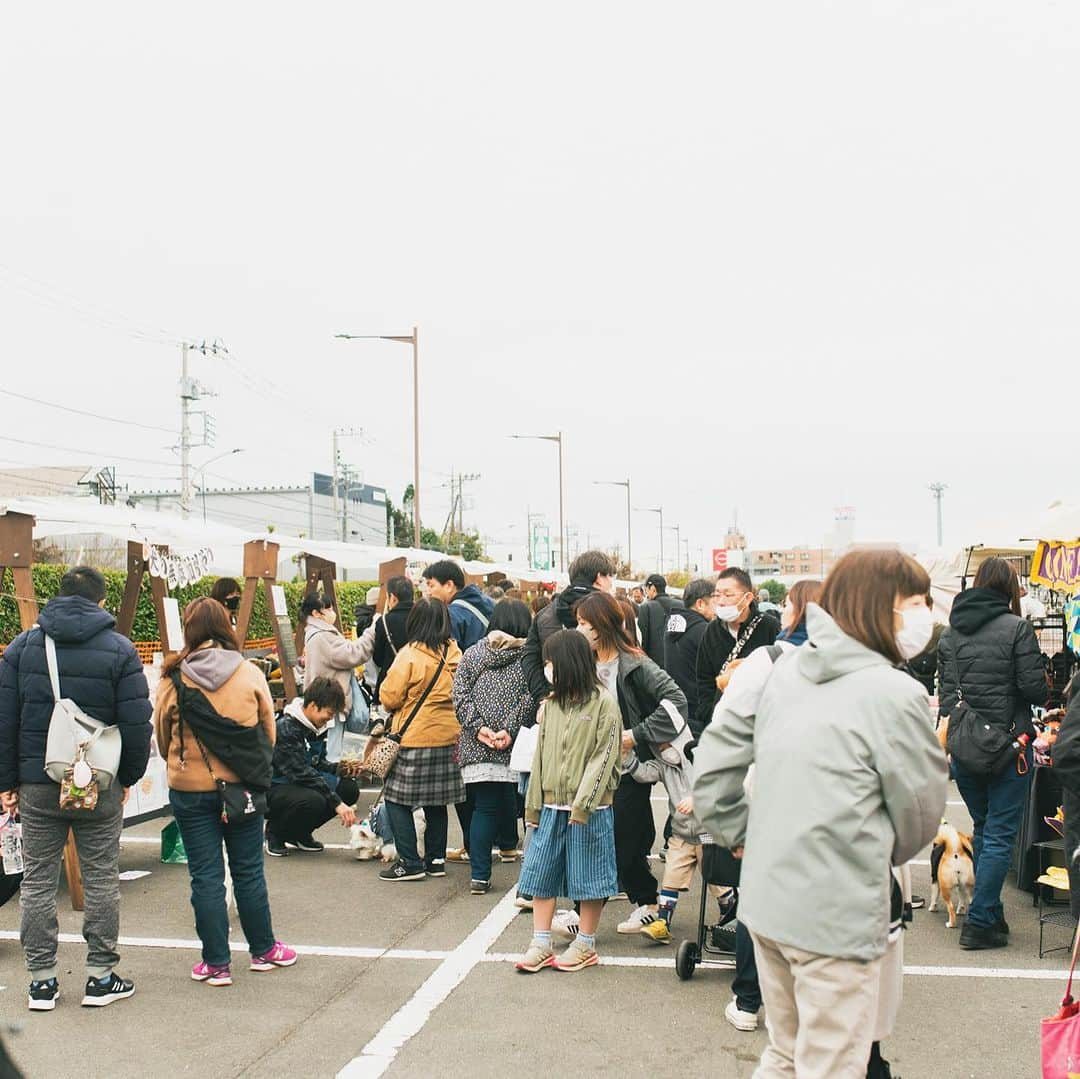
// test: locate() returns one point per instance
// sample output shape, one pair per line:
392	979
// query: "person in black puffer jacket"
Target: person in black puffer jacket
390	635
492	700
100	670
989	657
653	617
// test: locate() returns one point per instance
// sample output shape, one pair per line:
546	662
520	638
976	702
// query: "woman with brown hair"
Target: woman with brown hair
849	781
212	703
989	658
793	612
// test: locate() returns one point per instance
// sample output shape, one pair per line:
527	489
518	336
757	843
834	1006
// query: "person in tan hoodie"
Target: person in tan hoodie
418	689
211	664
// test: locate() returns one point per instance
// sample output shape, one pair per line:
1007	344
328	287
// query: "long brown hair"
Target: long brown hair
802	593
1000	575
204	620
604	614
860	594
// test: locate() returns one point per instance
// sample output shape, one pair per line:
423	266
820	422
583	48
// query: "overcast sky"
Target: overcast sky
781	257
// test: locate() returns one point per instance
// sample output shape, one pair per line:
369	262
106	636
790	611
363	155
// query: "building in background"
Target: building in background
356	515
60	481
791	562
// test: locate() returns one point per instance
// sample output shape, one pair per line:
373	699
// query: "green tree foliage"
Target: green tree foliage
47	585
777	590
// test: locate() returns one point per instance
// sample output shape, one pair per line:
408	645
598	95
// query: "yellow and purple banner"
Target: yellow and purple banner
1056	564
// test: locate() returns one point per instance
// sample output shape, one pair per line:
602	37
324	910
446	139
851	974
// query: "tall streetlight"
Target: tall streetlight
622	483
659	510
939	490
414	340
678	543
202	475
562	522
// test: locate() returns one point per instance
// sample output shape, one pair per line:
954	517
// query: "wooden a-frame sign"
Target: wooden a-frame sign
260	564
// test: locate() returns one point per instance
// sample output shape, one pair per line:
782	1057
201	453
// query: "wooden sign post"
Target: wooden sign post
394	568
322	571
137	568
17	554
260	564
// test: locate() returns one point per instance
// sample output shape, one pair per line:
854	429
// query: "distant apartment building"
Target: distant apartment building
791	562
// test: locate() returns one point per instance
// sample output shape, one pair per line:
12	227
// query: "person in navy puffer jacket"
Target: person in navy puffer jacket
100	671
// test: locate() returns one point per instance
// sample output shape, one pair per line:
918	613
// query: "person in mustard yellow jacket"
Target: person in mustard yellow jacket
418	689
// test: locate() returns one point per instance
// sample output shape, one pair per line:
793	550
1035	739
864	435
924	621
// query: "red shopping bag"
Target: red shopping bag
1061	1033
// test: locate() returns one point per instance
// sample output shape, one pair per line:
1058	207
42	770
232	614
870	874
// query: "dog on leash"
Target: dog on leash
372	837
952	871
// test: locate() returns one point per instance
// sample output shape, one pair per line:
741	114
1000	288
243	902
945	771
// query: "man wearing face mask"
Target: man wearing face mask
738	628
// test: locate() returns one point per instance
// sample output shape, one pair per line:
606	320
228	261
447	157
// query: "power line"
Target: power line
84	451
84	412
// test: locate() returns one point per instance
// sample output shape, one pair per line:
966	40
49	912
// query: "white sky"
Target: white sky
652	227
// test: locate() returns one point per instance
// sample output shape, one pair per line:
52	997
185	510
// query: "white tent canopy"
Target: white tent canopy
948	568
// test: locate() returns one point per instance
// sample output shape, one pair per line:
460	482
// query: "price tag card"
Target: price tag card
277	593
173	630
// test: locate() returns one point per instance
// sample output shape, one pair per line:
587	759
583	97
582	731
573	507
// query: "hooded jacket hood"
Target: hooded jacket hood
830	653
73	619
211	668
973	608
565	601
502	648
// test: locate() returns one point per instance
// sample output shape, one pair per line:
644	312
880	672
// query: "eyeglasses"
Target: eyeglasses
734	596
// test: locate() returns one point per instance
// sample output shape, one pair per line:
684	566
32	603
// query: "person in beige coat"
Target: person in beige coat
329	654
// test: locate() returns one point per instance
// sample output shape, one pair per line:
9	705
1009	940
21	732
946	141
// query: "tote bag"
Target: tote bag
1061	1034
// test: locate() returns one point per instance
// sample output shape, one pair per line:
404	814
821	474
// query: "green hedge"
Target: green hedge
47	585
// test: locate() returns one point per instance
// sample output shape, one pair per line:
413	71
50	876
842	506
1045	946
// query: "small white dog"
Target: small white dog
368	845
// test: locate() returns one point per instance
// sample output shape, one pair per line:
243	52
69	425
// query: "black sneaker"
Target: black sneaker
400	871
1002	926
274	846
436	869
44	995
479	887
110	988
976	937
917	902
722	939
308	844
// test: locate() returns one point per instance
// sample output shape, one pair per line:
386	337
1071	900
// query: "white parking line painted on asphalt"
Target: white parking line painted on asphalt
411	1017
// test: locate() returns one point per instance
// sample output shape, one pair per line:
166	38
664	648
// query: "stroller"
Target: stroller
718	866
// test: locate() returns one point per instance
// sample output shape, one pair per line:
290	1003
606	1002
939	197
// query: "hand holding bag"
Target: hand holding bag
74	734
1060	1034
381	753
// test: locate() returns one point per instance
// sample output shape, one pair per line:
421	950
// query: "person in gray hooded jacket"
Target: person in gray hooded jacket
849	780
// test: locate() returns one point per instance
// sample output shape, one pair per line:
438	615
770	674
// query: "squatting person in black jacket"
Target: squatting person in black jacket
989	657
739	628
306	791
100	670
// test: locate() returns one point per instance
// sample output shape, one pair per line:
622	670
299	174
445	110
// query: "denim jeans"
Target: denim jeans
506	831
996	805
745	985
198	816
401	822
493	805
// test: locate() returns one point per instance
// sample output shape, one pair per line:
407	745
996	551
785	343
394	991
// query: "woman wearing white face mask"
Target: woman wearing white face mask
849	780
793	612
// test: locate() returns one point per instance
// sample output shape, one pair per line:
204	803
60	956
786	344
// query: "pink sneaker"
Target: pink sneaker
204	972
278	956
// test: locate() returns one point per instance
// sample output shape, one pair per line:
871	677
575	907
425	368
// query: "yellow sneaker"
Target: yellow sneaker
657	931
457	854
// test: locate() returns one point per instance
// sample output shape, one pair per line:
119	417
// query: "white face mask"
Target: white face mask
730	612
916	632
787	616
549	673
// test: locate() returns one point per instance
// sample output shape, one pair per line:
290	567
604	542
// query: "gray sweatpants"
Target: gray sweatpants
97	837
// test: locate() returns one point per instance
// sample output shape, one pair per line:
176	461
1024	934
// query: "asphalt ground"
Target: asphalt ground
416	980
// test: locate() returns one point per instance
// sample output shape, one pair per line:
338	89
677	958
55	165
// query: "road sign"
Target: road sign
719	559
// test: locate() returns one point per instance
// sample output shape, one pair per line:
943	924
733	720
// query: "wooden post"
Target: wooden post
17	554
394	568
322	571
138	565
260	564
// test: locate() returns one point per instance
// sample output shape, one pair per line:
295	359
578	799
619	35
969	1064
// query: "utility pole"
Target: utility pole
463	478
341	489
192	390
939	490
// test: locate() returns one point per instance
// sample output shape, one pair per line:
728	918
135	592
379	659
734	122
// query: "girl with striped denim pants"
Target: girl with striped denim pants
574	775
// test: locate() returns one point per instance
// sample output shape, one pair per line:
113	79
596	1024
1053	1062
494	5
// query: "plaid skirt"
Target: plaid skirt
425	776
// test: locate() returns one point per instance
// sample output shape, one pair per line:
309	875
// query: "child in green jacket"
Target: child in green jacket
575	773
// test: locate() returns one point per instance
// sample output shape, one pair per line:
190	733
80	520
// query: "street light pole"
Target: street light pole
557	438
623	483
202	476
678	542
414	340
660	511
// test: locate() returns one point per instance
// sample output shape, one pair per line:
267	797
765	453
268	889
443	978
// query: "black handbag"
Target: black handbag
239	803
981	748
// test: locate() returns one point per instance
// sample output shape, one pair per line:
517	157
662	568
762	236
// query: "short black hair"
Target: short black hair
695	590
445	570
494	591
223	588
658	581
314	601
324	693
733	573
401	588
511	616
429	623
589	565
573	668
83	581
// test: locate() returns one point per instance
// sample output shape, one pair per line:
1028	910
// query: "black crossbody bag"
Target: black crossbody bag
981	748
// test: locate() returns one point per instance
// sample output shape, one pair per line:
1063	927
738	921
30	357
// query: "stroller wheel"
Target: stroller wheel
686	959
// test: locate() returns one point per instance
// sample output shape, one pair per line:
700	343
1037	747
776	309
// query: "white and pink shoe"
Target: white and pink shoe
216	976
279	956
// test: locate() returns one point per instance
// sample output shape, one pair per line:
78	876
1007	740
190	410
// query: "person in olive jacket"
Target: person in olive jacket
989	657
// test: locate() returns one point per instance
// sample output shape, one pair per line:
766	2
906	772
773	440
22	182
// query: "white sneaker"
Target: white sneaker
565	924
738	1019
637	921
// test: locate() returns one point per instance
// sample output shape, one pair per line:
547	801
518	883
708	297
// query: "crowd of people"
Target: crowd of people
798	737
